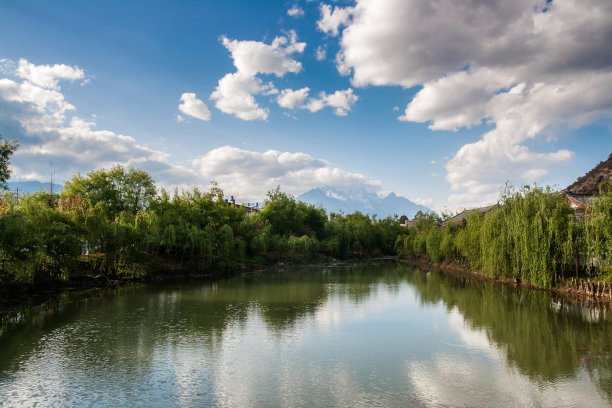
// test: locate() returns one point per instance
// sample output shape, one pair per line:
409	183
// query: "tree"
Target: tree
7	148
283	214
115	190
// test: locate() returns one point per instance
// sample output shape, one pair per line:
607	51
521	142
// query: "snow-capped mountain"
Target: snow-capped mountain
361	200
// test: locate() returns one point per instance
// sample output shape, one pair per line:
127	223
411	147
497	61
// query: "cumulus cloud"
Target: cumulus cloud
235	92
192	106
253	57
249	172
47	76
331	20
521	67
291	99
36	112
234	95
295	11
341	101
47	129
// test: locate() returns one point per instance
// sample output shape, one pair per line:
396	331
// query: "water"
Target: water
371	335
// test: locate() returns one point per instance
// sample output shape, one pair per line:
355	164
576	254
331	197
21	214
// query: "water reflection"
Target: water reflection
368	335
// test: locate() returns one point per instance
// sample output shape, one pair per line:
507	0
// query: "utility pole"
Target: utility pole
51	171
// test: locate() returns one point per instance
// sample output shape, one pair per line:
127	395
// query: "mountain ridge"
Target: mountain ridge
30	186
334	200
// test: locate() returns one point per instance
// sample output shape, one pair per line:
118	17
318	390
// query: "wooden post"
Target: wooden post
589	288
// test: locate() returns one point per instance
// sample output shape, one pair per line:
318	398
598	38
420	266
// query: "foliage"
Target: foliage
113	191
598	231
113	224
7	148
532	235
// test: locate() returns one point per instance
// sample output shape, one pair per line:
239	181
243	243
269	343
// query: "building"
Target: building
251	208
461	218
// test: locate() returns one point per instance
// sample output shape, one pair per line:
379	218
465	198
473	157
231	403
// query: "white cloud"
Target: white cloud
47	76
331	21
253	173
321	53
38	117
254	57
342	101
295	11
49	104
234	94
192	106
427	202
439	100
521	68
291	99
180	118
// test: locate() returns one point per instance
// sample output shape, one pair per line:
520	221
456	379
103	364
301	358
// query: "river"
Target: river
366	335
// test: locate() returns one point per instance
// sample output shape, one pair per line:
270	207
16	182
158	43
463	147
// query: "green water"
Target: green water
370	335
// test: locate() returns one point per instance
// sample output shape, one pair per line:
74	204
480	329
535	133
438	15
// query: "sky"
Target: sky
442	102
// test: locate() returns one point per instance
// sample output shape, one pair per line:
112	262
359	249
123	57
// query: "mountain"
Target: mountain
589	183
32	186
361	200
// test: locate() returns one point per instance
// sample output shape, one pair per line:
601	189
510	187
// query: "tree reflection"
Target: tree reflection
542	342
539	336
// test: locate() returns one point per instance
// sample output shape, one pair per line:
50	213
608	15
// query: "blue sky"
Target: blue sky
436	101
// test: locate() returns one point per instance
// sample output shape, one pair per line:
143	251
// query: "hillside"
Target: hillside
589	183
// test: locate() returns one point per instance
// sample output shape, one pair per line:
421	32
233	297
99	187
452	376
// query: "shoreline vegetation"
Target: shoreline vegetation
113	226
532	236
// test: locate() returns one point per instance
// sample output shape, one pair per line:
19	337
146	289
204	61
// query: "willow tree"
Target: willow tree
527	237
598	232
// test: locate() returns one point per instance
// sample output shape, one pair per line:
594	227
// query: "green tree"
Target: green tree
7	148
598	231
115	190
283	214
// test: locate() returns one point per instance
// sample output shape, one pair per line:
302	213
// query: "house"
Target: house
461	218
409	223
251	208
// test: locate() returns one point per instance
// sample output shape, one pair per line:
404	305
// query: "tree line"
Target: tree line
115	223
532	235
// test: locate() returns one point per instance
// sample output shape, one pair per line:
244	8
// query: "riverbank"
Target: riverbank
568	289
168	271
172	272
